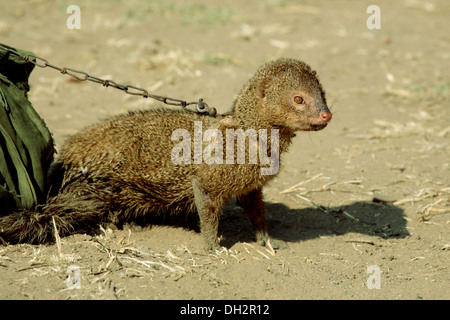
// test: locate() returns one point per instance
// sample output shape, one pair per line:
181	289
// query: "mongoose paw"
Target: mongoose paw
212	247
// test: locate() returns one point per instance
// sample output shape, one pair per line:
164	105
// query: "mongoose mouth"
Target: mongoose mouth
317	127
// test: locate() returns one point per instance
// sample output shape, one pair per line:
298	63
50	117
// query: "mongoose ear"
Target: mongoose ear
266	84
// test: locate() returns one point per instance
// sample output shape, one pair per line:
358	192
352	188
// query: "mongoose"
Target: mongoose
134	165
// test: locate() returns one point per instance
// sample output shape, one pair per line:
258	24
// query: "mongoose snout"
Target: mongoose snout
321	121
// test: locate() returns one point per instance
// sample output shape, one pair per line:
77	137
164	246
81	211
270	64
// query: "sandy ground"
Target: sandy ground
388	88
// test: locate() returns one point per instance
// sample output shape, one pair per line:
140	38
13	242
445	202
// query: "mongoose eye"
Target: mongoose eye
299	100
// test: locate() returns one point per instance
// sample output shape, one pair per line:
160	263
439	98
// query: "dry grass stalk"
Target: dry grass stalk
296	186
361	241
149	264
270	248
350	216
354	247
425	211
258	251
328	210
421	195
58	239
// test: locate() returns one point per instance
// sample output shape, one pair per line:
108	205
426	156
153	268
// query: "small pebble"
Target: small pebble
382	198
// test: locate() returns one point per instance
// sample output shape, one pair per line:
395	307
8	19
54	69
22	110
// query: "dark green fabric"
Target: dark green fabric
16	69
26	145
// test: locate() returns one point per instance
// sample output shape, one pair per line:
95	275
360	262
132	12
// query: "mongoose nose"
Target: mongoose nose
325	116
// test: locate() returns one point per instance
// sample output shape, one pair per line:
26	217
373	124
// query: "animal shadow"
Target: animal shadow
294	225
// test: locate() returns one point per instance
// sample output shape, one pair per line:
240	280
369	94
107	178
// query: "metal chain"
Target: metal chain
201	107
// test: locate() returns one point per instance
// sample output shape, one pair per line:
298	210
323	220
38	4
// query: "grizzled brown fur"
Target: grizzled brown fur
121	169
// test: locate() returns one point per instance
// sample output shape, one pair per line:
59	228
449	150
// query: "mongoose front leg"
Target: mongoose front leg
253	205
208	208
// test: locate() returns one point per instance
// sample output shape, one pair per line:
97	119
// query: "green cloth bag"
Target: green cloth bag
26	144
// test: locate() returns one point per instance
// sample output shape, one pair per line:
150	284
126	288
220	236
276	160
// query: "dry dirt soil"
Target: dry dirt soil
389	90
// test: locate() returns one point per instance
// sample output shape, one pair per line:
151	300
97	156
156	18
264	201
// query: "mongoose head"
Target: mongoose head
290	95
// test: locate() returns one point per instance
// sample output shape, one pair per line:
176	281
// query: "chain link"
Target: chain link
201	107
